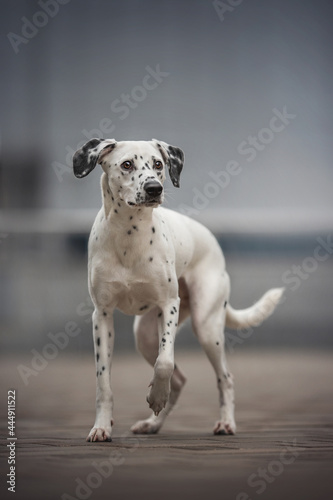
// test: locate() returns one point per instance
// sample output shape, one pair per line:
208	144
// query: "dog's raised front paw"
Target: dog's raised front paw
99	434
158	395
224	428
146	427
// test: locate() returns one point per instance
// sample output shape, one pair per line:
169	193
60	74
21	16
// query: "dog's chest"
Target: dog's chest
132	290
132	273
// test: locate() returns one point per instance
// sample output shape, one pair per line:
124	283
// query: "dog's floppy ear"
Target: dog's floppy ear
174	158
86	158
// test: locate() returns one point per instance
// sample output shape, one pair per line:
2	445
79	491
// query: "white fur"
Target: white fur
162	267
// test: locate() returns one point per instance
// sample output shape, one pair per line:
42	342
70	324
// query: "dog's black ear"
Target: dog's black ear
174	158
86	158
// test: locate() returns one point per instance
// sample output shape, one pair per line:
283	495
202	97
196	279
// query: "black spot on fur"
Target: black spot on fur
97	357
103	368
225	304
153	229
96	327
129	232
143	308
150	259
110	334
98	341
159	314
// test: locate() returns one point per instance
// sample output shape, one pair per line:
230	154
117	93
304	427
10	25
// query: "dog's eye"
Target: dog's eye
158	165
127	165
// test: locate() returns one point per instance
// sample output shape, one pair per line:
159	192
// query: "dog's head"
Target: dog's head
135	169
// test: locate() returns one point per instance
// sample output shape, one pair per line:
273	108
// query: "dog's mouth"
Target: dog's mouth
154	202
150	203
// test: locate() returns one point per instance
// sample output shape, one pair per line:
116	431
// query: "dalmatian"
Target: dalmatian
161	267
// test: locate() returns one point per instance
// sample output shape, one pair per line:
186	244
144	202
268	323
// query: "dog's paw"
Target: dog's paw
158	395
225	427
99	434
146	427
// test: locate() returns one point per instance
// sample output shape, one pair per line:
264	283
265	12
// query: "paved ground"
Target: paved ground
283	449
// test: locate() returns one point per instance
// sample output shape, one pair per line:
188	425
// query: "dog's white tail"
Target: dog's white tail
255	315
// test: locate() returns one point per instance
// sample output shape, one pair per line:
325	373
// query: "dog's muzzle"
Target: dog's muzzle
153	190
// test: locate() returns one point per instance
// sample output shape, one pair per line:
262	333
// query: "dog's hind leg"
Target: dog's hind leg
147	340
209	294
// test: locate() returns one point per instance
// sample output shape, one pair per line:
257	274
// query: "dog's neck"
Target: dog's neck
131	230
128	218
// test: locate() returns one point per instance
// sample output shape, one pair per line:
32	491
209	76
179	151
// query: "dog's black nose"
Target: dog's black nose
153	188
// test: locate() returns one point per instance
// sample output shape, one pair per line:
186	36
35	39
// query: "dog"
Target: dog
162	267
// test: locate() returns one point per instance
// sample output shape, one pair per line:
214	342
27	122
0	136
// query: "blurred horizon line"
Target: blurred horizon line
251	222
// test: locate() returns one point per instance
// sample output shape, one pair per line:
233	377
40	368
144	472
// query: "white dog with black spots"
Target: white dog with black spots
162	267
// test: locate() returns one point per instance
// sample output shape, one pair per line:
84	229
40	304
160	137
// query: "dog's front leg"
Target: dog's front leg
164	365
103	333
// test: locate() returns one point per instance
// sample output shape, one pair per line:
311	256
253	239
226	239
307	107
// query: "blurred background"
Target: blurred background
243	87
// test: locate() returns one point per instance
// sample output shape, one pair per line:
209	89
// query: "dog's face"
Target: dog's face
135	170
